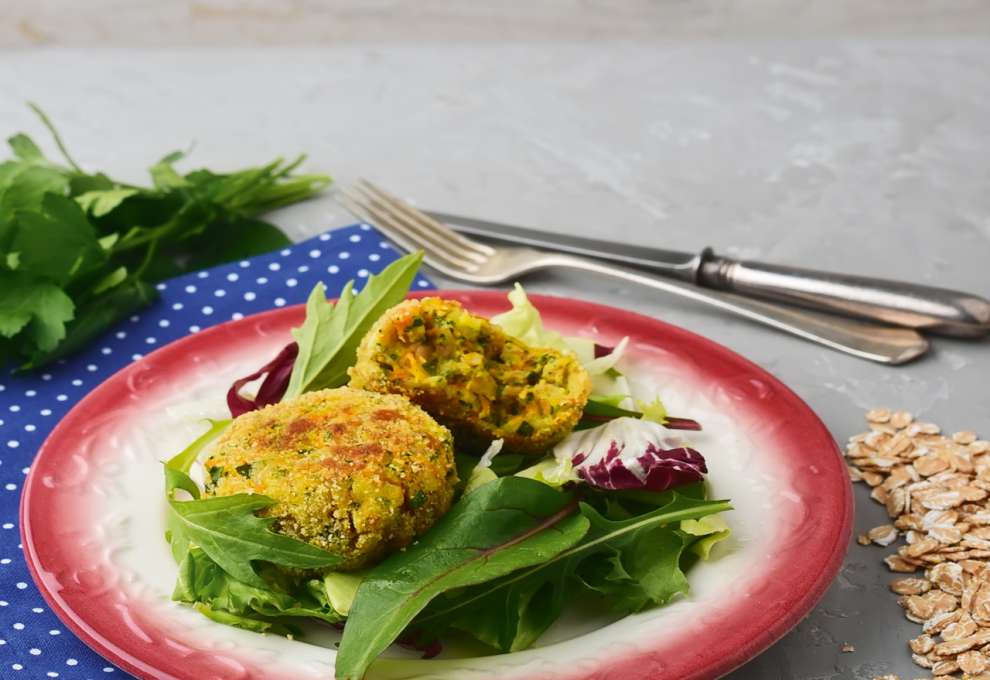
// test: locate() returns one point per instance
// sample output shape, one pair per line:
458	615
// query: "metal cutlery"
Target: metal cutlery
470	261
927	308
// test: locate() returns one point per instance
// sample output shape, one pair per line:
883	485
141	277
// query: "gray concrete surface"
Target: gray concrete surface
862	153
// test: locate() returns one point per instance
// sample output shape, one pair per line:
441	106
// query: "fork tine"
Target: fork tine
423	232
402	236
360	211
425	220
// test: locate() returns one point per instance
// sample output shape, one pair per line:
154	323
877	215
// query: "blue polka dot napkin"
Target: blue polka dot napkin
33	642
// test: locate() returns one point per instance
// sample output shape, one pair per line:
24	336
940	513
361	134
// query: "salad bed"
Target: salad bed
617	511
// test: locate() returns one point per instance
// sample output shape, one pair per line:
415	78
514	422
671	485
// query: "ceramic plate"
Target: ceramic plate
93	508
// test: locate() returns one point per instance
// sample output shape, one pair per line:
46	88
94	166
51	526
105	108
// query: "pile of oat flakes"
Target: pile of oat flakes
936	489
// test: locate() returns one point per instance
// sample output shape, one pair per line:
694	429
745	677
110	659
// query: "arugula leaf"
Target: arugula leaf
607	411
503	526
636	562
229	531
177	477
341	588
330	334
226	528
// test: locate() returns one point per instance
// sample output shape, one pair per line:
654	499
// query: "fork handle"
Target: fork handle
875	342
912	305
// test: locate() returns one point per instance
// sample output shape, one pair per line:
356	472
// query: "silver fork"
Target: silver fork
470	261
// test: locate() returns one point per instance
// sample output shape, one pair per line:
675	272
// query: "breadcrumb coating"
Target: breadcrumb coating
360	474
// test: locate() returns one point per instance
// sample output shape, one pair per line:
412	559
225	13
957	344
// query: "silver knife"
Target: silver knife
925	308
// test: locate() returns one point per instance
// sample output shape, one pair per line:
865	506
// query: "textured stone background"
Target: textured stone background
843	135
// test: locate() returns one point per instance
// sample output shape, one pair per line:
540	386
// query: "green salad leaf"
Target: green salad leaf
341	589
75	245
636	562
229	531
331	332
524	322
202	581
508	524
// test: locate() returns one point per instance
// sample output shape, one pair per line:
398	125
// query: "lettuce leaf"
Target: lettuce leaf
341	588
482	473
551	472
203	582
708	531
524	322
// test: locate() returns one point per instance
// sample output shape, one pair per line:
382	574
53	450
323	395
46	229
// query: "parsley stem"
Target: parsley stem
58	139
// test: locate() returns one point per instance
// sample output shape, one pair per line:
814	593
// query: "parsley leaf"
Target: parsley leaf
36	309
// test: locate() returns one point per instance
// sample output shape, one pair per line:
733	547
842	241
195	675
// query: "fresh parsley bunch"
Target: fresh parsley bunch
79	250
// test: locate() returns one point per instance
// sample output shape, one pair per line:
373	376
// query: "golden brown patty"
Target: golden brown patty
357	473
471	376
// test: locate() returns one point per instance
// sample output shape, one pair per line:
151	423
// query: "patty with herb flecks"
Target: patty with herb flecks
471	376
357	473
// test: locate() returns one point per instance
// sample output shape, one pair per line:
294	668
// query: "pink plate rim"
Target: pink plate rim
793	584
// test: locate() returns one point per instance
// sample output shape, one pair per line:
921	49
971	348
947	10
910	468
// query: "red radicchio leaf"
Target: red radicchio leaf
675	423
278	371
602	350
661	468
429	648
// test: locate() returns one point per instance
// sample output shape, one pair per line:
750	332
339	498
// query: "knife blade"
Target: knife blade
672	263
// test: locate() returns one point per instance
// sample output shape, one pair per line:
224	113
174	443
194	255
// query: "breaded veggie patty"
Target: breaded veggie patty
357	473
468	374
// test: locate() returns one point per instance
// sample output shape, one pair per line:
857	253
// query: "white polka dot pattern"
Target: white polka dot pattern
33	642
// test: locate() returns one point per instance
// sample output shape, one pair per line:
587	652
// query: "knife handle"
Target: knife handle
925	308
